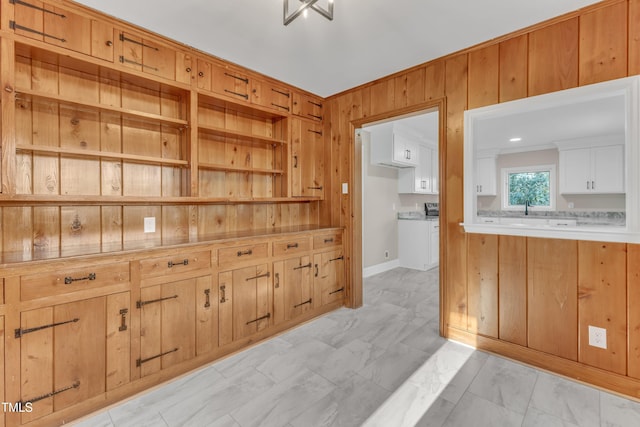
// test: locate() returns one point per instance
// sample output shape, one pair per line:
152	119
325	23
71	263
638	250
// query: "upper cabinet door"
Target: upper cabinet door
270	96
61	27
149	56
307	157
230	82
307	106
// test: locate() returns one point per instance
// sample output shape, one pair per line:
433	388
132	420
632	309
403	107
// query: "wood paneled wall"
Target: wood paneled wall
523	297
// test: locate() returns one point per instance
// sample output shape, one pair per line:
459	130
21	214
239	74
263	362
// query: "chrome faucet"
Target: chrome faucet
526	207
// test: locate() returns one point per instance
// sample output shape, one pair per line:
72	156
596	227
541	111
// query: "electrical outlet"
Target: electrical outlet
386	254
150	224
597	337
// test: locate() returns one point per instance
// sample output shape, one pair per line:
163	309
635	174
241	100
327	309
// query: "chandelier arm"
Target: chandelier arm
288	18
326	13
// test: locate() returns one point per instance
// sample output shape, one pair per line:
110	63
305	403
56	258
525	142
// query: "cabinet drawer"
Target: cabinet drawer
178	263
327	240
57	283
244	253
290	246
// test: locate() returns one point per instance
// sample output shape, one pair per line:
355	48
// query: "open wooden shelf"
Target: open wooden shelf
240	135
29	95
226	168
102	154
97	200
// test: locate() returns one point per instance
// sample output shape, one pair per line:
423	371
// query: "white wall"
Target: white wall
380	206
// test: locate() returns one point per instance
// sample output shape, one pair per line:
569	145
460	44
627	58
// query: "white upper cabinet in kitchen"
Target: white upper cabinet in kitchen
592	170
486	176
423	179
392	148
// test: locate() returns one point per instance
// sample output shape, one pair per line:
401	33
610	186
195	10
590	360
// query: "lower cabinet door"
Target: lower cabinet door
206	315
293	288
245	301
62	356
329	276
167	325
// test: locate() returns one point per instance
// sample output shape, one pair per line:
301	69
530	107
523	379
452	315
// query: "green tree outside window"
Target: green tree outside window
533	187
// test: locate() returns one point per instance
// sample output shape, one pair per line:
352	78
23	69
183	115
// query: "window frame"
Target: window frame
505	172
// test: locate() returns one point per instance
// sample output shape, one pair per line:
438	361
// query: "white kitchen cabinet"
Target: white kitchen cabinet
418	244
423	179
486	176
593	170
390	148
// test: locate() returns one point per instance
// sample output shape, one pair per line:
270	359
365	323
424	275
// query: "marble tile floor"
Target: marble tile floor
381	365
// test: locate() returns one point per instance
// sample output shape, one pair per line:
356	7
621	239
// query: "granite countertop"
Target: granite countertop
583	218
417	216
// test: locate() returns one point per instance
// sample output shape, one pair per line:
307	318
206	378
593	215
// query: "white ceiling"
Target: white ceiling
593	113
367	39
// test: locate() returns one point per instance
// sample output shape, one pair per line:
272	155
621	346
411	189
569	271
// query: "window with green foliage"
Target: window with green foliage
535	185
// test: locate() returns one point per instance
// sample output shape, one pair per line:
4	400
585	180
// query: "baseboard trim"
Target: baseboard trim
380	268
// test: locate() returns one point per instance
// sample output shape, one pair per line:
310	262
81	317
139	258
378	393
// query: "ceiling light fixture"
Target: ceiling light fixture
306	4
516	139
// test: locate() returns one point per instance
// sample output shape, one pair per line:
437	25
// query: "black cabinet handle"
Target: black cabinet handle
69	280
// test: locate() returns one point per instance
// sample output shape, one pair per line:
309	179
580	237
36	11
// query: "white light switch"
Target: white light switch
150	224
345	188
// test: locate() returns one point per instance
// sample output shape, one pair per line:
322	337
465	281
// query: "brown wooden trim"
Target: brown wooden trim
356	292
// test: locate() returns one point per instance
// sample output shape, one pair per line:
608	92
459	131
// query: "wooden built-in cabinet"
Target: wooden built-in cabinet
71	353
153	120
270	95
168	309
328	277
242	153
293	287
148	194
59	26
245	302
90	331
307	159
307	106
144	54
77	134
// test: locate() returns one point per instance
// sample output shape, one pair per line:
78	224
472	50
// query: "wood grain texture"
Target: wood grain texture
483	77
602	302
603	44
633	301
434	80
454	259
118	340
633	37
512	297
513	68
553	57
552	303
482	284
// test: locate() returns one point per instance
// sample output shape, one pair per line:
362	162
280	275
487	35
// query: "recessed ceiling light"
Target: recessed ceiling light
517	139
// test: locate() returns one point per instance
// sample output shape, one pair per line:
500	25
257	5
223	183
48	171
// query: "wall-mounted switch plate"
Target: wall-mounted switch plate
345	188
597	337
150	224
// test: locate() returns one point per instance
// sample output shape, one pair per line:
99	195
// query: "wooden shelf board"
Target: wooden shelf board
226	168
241	135
254	110
65	200
133	114
102	154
